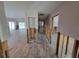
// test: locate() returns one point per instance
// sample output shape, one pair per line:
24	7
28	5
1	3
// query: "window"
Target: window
21	25
55	21
11	26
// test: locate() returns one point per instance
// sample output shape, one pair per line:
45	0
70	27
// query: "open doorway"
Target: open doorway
17	36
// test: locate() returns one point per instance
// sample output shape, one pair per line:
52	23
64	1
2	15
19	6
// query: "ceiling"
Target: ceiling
19	9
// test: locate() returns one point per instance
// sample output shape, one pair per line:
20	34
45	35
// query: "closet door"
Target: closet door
65	43
70	47
77	53
76	49
60	45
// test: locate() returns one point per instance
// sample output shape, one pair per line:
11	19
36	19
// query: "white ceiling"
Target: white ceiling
19	9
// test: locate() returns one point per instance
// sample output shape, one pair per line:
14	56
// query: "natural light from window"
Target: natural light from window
21	25
11	26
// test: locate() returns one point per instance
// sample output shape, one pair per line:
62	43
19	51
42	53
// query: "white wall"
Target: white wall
16	19
33	13
3	23
68	18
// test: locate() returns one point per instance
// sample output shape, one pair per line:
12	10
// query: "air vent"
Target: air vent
41	14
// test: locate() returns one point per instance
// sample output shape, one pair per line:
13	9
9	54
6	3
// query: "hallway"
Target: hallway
39	29
19	48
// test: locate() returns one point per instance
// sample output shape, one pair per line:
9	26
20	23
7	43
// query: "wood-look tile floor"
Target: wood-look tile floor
19	48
